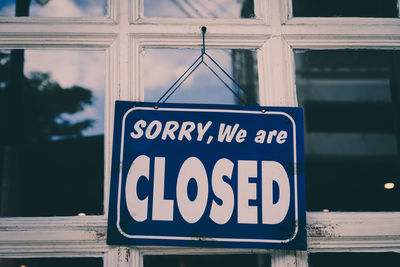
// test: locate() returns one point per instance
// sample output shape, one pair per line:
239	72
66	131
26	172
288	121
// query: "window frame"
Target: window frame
123	33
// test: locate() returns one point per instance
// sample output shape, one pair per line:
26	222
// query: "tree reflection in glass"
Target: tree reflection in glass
49	165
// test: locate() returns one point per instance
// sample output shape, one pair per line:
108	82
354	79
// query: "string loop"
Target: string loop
194	66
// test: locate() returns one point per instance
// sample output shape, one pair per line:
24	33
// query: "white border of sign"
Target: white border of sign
207	238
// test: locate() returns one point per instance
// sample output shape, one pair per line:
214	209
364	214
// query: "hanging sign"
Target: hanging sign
207	175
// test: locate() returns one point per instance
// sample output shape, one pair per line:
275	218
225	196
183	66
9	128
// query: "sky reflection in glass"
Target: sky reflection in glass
199	8
58	8
162	67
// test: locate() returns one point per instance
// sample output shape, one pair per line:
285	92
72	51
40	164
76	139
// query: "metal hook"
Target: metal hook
204	29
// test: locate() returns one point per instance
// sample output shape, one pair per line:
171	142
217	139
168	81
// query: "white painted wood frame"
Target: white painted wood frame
122	34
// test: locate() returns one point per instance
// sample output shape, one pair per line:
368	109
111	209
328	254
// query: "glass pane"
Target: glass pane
51	150
251	260
351	100
345	8
51	262
353	259
53	8
199	8
162	67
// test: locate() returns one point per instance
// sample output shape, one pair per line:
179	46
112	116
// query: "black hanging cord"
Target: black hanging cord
204	29
172	86
193	67
187	76
226	85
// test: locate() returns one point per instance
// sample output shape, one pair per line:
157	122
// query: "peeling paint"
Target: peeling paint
127	254
100	235
321	230
124	254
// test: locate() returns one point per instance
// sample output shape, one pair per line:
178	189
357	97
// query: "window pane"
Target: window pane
53	8
251	260
199	8
52	262
353	259
352	113
162	67
51	150
345	8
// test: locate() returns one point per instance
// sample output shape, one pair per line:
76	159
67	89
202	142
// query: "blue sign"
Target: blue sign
207	175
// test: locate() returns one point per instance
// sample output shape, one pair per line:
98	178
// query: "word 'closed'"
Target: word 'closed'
192	210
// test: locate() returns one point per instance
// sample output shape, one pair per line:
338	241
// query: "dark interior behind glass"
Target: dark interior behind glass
345	8
353	259
351	100
234	260
51	262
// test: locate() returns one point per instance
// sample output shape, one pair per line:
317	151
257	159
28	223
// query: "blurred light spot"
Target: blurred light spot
389	186
82	214
325	210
